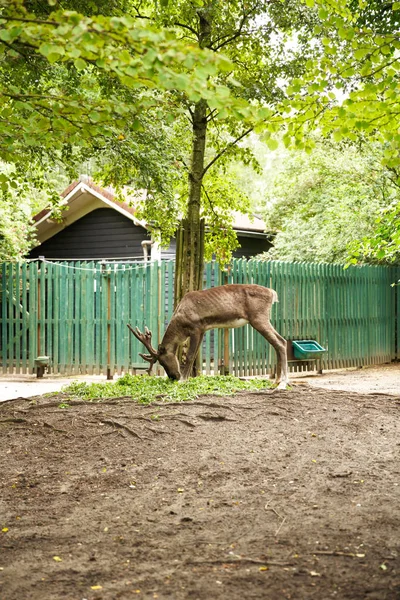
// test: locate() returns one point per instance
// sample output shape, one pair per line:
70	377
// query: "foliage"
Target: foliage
128	82
23	192
359	62
74	86
117	85
67	43
383	246
321	202
351	84
253	36
15	231
145	389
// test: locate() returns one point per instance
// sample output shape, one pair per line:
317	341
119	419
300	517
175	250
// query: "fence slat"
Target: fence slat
10	312
32	322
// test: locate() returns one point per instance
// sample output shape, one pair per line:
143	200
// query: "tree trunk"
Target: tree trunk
189	265
190	239
190	257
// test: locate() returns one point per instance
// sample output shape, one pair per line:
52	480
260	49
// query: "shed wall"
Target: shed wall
249	247
103	233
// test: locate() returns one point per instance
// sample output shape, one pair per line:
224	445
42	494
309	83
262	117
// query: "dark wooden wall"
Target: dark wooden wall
249	247
103	233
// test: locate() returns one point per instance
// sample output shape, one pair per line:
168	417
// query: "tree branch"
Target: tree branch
209	200
191	29
217	156
211	115
10	46
138	14
27	20
176	23
227	39
182	160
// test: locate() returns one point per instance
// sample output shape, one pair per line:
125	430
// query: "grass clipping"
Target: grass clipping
144	389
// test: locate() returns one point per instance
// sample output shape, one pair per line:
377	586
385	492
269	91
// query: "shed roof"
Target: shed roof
83	196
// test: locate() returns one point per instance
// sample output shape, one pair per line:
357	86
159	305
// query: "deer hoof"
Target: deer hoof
283	385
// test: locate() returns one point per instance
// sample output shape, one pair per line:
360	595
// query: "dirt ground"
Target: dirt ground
265	495
383	379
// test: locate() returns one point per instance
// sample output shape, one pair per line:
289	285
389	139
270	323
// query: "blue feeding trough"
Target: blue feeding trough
306	349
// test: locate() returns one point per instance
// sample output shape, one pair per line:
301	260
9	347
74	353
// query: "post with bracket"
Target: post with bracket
225	364
106	274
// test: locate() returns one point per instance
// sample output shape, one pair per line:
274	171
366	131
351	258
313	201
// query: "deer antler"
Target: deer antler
145	338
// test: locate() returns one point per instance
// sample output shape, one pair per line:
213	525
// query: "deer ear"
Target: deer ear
161	349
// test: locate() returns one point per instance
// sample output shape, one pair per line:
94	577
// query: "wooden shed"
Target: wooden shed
96	226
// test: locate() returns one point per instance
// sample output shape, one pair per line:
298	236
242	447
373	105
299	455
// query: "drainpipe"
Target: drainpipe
146	244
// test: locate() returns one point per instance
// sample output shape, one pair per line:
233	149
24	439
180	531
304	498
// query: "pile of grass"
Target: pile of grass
145	389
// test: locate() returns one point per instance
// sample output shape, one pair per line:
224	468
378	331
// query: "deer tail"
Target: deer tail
274	297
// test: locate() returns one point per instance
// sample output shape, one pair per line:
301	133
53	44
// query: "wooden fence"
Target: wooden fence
353	313
76	313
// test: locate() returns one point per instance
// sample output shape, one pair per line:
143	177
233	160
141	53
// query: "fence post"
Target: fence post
4	318
39	313
109	374
227	332
397	314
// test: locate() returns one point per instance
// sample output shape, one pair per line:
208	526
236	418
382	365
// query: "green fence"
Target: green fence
76	313
352	313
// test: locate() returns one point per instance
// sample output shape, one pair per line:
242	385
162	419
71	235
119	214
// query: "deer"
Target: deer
225	306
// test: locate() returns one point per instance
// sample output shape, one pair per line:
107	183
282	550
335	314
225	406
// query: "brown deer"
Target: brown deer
226	306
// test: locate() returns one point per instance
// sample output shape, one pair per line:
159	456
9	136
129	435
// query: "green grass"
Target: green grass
145	389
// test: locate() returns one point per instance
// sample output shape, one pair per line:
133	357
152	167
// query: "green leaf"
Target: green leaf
5	35
53	57
75	53
361	53
51	50
272	144
337	135
386	50
80	64
95	116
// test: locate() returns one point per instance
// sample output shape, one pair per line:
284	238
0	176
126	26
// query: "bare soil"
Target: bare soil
365	380
266	495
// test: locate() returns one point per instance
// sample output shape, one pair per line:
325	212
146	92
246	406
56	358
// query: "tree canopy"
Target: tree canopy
351	84
96	83
321	203
161	93
72	84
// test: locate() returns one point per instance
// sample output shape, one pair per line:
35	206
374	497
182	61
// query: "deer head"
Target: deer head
167	359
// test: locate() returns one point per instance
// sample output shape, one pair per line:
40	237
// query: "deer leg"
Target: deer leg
280	361
194	345
279	345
